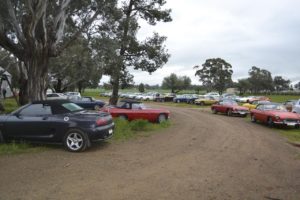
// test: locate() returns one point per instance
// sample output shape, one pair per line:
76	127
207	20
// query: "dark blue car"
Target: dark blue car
56	121
185	98
88	103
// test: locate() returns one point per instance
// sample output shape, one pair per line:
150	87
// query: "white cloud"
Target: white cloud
262	33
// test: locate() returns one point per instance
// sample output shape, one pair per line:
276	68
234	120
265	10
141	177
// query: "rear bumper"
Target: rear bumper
101	132
239	112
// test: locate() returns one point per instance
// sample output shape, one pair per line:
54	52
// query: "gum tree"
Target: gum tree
36	30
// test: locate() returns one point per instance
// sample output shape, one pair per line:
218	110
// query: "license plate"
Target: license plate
291	123
110	131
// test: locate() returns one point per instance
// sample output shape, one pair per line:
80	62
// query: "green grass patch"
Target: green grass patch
126	130
293	135
10	105
17	148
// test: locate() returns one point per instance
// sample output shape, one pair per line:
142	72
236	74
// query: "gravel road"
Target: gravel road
201	156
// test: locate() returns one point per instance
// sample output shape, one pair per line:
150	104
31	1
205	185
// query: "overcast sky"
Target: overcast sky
262	33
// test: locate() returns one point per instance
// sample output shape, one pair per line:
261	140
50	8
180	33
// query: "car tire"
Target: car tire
161	118
201	103
245	115
270	122
214	111
253	119
76	140
123	117
229	112
178	101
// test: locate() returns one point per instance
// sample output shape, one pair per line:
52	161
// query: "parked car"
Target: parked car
168	97
244	99
89	103
212	94
230	108
275	114
290	104
296	108
55	96
254	104
258	98
56	121
185	98
132	109
73	95
206	101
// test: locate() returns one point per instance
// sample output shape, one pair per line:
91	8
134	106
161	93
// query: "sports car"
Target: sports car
89	103
131	110
56	121
275	114
230	108
209	100
254	104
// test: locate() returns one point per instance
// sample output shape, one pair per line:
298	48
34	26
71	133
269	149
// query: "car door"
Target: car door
139	113
259	113
32	122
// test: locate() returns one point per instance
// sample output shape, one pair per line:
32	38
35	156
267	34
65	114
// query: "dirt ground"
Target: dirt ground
201	156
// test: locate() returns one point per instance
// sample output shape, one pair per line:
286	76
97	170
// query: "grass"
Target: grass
126	130
293	135
17	148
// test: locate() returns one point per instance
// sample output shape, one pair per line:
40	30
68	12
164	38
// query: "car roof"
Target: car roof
52	102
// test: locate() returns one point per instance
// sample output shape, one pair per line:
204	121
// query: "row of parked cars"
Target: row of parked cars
74	121
264	111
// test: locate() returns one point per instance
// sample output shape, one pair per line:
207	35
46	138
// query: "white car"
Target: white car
73	95
212	94
296	107
148	97
56	96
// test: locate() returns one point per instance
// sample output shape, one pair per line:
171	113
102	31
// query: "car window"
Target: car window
72	107
86	99
36	110
136	106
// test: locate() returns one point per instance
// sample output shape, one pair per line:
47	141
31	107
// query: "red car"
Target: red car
258	98
131	110
230	108
275	114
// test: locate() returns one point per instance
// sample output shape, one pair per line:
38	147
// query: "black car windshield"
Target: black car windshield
72	107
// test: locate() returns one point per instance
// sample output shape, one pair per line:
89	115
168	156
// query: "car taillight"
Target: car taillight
101	122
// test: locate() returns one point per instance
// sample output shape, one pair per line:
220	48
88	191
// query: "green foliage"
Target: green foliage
141	88
243	85
176	83
260	79
215	74
126	130
281	84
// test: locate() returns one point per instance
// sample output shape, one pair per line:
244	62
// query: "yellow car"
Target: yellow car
206	101
254	104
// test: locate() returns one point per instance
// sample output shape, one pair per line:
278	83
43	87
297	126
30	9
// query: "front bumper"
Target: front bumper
287	123
240	112
101	132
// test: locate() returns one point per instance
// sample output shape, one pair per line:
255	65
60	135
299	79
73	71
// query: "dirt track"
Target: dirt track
202	156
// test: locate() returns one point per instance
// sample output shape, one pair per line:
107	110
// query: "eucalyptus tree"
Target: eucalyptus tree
215	73
120	49
260	79
176	83
35	30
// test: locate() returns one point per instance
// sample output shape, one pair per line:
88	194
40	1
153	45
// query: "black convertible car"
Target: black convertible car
56	121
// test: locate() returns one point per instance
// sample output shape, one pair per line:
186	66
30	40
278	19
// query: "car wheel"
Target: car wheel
161	118
123	117
178	101
270	122
76	140
201	103
214	111
253	119
245	115
97	107
229	112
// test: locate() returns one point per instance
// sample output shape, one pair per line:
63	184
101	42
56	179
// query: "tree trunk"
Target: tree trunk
23	95
58	86
116	81
37	83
